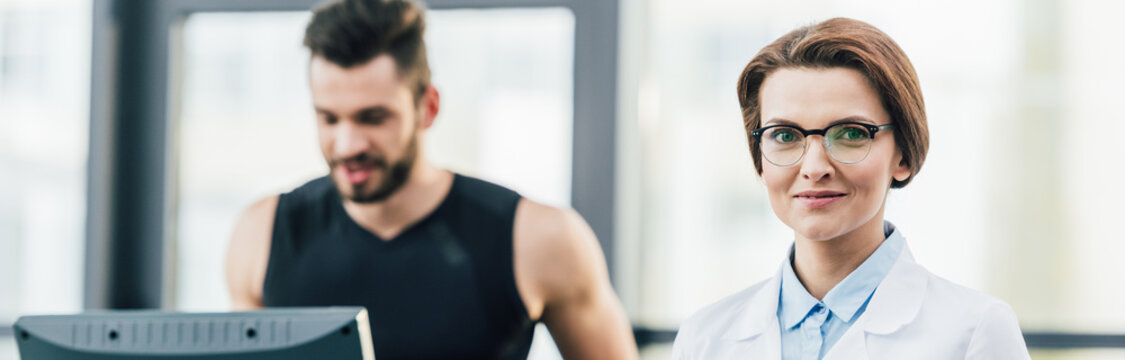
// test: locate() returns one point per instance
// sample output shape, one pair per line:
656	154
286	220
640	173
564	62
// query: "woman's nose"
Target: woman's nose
816	165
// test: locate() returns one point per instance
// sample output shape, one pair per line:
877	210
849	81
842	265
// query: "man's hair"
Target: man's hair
847	43
352	32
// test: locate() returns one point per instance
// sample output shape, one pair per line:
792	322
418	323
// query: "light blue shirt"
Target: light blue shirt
810	327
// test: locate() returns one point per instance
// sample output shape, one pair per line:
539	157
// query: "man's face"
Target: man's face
368	125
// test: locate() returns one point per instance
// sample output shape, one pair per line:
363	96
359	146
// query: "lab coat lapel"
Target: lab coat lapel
852	345
895	303
755	333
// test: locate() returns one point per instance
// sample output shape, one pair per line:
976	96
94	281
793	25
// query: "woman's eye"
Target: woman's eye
852	133
784	136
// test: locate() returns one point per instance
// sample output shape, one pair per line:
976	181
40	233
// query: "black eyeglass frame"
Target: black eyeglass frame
871	129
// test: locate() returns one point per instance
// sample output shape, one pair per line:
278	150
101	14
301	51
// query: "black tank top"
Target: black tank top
443	289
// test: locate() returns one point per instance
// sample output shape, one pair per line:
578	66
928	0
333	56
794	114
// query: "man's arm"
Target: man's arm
248	254
562	278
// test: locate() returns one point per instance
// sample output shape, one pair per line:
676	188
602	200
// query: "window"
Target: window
1022	215
246	127
44	112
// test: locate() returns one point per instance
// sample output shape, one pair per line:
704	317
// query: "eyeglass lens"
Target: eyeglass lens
846	143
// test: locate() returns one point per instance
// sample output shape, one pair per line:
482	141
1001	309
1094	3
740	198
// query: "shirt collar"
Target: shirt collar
796	302
847	297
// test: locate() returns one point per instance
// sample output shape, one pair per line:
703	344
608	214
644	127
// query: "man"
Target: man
448	266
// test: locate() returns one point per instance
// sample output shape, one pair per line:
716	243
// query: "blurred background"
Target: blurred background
133	133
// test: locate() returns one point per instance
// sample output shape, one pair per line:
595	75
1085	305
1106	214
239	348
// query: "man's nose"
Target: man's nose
349	141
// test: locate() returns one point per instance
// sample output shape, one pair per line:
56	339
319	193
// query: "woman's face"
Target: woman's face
819	197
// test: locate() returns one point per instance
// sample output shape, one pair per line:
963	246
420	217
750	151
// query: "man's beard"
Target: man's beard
394	176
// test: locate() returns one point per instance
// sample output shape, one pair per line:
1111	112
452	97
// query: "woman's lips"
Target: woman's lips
819	199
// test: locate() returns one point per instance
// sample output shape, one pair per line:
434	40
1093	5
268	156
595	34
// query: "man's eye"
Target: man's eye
372	119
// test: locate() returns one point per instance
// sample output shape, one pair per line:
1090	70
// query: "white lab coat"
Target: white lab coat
913	314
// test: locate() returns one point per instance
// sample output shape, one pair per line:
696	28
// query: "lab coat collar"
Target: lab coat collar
759	314
895	303
755	329
898	299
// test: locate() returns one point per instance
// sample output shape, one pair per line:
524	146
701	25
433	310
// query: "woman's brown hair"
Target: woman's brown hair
848	43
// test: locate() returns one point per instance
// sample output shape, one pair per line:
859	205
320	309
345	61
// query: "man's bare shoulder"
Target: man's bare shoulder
547	222
257	219
546	230
556	251
248	253
560	268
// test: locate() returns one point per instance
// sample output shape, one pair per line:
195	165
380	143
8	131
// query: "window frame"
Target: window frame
131	189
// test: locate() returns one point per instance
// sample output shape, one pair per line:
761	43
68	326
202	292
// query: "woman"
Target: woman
835	118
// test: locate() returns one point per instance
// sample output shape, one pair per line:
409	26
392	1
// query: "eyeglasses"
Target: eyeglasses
846	142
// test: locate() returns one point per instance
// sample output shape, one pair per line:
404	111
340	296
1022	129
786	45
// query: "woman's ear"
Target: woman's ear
902	170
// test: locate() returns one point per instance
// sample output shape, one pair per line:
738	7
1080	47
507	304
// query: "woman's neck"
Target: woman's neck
821	264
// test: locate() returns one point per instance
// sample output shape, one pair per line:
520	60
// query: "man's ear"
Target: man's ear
430	105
